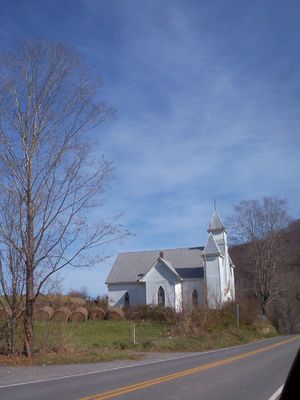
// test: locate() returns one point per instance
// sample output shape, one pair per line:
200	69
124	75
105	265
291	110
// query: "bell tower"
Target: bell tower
218	270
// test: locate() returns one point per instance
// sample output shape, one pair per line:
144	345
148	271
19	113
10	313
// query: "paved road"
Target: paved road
248	372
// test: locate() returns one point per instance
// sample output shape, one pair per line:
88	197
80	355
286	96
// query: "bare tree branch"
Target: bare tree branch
259	224
48	104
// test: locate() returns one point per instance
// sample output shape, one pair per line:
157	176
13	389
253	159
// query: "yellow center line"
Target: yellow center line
151	382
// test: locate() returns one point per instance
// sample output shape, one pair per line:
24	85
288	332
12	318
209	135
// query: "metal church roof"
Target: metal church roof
131	267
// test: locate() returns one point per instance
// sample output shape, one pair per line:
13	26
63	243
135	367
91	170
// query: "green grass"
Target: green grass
92	341
115	334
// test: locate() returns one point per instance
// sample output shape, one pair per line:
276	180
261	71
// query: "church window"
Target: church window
161	296
127	300
195	299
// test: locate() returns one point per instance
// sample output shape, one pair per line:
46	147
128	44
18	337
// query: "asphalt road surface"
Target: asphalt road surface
254	371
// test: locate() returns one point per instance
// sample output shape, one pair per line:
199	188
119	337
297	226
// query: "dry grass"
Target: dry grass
157	329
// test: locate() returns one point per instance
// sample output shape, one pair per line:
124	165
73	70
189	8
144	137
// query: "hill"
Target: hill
284	310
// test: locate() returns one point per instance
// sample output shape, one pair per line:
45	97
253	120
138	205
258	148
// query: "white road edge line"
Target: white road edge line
132	365
276	394
109	369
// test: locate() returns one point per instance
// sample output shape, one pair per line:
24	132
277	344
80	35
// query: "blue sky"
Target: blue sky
208	96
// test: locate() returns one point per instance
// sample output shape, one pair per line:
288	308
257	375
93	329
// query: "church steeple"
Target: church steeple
216	225
218	271
211	247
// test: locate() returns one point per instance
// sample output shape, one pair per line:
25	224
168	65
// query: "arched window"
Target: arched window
161	296
126	300
195	299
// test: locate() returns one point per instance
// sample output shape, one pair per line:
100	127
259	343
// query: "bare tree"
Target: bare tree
48	165
12	274
259	224
286	310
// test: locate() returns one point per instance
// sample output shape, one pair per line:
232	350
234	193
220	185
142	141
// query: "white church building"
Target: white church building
178	278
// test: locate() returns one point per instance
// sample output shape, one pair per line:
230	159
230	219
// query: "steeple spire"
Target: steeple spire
216	225
211	247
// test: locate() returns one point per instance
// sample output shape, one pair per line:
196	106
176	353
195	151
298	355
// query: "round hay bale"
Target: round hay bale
80	314
97	313
61	314
44	314
115	314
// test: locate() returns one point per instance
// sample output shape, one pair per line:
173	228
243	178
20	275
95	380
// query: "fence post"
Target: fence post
133	334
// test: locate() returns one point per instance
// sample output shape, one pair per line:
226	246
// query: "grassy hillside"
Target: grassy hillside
92	341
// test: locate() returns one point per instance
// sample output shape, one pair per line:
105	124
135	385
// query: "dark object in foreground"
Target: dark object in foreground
291	389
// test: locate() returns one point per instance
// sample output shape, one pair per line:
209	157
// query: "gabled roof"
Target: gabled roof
211	247
216	224
131	267
169	266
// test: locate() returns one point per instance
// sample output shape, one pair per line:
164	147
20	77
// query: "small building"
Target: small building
178	278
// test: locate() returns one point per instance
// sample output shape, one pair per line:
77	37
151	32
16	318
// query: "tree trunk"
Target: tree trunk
11	339
29	308
29	328
28	319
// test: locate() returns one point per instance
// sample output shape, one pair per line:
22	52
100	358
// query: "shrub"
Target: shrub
193	323
53	337
249	309
151	313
